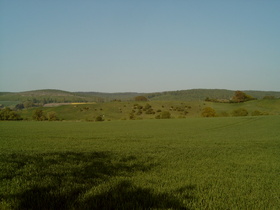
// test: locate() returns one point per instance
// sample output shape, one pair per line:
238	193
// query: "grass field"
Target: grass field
193	163
177	109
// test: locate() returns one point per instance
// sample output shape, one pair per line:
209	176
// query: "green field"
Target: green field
192	163
177	109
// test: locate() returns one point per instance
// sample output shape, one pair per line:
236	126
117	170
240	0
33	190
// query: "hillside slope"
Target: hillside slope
131	110
59	96
202	94
47	96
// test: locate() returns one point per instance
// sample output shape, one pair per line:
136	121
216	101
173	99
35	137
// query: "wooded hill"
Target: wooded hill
59	96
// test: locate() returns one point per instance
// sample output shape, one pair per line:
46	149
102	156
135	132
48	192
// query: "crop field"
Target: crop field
192	163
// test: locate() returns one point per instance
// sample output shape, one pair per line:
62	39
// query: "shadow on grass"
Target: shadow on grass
61	181
125	195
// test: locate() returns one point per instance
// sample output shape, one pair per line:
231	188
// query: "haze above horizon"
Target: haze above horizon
139	46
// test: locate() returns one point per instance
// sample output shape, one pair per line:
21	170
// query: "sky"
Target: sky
139	46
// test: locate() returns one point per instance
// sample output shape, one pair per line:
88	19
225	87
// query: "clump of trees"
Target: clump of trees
217	100
269	97
208	112
51	116
148	109
39	115
140	98
240	96
8	114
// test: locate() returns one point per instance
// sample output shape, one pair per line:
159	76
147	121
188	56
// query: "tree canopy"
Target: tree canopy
140	98
240	96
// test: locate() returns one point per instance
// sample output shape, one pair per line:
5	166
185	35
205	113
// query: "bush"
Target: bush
39	115
150	111
165	115
8	114
140	98
131	116
139	112
19	107
52	116
147	107
208	112
239	112
269	97
99	118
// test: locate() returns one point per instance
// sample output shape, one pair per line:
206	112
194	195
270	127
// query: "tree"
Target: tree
19	106
28	104
52	116
240	96
208	112
39	115
140	98
8	114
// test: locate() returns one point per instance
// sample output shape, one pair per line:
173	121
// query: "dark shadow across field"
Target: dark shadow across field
60	181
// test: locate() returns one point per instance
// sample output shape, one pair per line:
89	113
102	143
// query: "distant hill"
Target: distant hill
126	96
131	110
59	96
202	94
47	96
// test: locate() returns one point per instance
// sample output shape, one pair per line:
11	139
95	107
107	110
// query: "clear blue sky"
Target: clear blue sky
142	46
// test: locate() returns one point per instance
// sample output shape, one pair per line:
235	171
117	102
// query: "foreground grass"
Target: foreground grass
218	163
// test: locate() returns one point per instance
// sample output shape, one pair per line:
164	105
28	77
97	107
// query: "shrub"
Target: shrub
208	112
8	114
140	98
131	116
19	107
39	115
52	116
99	118
150	111
147	107
239	112
269	97
157	116
165	115
28	104
139	112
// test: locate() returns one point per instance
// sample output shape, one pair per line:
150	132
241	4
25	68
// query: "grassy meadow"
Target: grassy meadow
137	110
192	163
